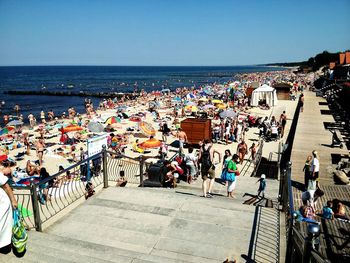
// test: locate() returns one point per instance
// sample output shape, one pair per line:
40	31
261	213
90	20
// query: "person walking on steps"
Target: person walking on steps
206	157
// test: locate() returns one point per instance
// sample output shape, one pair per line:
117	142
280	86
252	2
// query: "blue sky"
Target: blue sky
169	32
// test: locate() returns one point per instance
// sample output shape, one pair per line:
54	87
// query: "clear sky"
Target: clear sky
170	32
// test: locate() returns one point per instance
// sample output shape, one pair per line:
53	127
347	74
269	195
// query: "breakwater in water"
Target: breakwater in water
69	93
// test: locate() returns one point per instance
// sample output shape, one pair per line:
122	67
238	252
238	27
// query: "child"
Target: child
262	185
121	182
327	211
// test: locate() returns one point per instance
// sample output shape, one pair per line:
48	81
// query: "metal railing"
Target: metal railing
43	200
120	165
255	163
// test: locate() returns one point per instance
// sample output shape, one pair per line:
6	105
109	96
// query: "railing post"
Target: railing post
35	204
313	232
104	160
142	160
289	204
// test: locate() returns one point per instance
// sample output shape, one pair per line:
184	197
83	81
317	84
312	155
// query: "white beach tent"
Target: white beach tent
264	92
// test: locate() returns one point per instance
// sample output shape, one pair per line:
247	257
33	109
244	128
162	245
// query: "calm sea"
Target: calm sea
101	78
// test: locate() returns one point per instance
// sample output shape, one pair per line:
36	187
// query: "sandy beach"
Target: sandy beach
168	107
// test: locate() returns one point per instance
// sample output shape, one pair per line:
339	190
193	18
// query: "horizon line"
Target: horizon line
104	65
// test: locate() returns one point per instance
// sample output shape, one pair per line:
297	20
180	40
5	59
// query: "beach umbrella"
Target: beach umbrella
190	103
147	128
209	106
216	101
3	157
191	108
112	120
151	143
177	99
228	114
221	106
95	127
15	123
6	130
190	96
203	99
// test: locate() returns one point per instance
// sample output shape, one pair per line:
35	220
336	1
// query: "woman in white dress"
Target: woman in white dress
6	222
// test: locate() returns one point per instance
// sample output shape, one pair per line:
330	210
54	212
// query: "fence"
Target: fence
43	200
253	163
299	248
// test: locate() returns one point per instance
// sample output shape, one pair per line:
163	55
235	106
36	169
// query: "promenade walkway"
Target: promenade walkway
310	135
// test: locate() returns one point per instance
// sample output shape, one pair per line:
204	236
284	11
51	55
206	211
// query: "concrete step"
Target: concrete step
148	225
44	247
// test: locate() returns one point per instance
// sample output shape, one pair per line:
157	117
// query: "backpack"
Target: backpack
206	162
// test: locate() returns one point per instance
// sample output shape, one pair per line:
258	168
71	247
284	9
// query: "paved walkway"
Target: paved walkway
156	225
311	135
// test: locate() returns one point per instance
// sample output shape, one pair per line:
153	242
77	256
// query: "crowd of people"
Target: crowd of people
207	162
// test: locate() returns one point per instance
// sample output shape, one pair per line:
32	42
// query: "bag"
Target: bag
231	177
179	170
19	232
206	162
311	185
224	175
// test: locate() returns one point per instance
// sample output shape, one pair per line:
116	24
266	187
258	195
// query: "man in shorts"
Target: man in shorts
182	136
206	157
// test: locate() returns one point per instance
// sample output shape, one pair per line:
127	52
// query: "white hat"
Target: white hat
263	176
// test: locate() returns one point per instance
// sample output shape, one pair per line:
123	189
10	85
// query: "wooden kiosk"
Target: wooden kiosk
196	129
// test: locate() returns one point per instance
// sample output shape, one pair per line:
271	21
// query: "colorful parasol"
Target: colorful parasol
221	106
209	106
6	130
228	114
95	127
216	101
15	123
190	103
3	157
151	143
147	128
191	108
112	120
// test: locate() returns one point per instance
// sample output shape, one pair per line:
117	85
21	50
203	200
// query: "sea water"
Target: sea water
100	79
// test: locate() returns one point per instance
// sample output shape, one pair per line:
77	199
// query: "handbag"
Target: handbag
19	232
224	175
231	177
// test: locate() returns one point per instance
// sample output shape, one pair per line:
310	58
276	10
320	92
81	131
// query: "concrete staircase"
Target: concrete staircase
152	225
